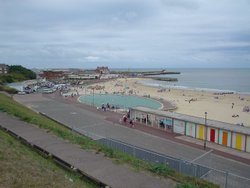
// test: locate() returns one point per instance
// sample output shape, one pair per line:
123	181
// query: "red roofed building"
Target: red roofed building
52	75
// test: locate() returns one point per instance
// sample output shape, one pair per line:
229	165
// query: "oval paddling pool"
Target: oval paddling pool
120	101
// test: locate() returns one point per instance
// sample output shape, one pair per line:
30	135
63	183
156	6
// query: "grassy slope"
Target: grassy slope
22	167
12	107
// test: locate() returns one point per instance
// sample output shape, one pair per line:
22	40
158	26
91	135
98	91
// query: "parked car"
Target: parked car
21	93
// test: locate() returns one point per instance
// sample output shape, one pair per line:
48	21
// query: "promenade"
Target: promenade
93	165
86	119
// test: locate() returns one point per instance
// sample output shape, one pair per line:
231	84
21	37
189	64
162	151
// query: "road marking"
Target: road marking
201	156
91	125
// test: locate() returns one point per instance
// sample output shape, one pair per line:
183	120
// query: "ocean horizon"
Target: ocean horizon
235	80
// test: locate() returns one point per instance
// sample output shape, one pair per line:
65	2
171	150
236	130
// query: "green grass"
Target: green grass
25	114
21	167
7	89
186	185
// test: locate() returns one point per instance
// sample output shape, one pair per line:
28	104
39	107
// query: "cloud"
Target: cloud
181	4
92	58
128	33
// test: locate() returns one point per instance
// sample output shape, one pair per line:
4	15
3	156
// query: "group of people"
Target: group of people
107	106
126	118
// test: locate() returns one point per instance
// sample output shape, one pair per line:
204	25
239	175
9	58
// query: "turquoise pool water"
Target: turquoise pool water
121	101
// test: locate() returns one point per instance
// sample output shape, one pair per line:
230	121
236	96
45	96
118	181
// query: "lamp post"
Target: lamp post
93	101
205	139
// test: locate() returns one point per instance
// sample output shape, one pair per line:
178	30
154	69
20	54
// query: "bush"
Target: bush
6	79
18	69
186	185
160	169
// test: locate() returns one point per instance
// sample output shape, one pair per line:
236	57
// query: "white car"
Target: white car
21	93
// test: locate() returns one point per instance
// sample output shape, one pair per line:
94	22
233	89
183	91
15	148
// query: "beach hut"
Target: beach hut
225	138
226	134
190	129
179	126
248	144
200	131
212	134
238	141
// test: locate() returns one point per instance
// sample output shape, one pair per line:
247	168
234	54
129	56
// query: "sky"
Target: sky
125	33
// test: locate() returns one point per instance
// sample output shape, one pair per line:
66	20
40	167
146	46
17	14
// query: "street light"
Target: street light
205	139
93	101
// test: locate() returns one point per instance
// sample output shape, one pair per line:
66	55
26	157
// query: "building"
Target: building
226	134
83	76
52	75
102	70
3	69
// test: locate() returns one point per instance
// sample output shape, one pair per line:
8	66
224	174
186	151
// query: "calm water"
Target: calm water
122	101
237	80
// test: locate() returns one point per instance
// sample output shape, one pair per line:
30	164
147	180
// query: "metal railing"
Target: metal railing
182	166
222	178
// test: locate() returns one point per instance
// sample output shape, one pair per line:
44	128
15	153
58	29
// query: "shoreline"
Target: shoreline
210	90
226	108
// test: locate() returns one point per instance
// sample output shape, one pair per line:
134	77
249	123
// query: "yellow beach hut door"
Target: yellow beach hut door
238	143
201	132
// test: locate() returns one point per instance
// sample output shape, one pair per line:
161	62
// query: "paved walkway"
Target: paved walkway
95	166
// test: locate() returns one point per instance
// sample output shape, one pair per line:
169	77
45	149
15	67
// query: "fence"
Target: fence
222	178
147	155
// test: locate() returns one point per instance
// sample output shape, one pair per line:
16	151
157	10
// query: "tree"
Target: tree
18	69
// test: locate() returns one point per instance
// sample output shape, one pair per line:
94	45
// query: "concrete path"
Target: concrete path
95	166
87	119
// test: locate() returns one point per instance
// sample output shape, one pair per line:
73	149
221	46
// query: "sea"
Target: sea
209	79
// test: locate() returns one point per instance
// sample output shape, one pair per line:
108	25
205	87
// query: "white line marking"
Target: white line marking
201	156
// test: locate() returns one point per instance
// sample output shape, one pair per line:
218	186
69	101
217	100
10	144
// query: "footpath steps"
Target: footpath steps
89	163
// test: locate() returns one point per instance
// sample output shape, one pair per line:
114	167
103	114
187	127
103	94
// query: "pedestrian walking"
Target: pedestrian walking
131	123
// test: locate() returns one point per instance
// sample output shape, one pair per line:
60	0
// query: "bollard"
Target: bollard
226	180
134	151
195	170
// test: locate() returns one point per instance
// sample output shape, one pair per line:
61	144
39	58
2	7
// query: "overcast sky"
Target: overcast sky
125	33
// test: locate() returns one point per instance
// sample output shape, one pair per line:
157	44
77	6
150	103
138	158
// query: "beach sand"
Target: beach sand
218	107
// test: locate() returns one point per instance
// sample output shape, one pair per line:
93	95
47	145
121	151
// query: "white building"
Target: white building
3	69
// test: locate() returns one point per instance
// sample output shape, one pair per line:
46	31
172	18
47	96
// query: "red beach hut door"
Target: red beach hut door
212	135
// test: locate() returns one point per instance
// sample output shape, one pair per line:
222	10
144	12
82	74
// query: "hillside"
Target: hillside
22	167
17	73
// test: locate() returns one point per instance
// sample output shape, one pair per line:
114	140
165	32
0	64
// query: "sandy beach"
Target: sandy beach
227	108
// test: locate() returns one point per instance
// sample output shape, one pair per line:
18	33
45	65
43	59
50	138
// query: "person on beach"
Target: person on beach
232	105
